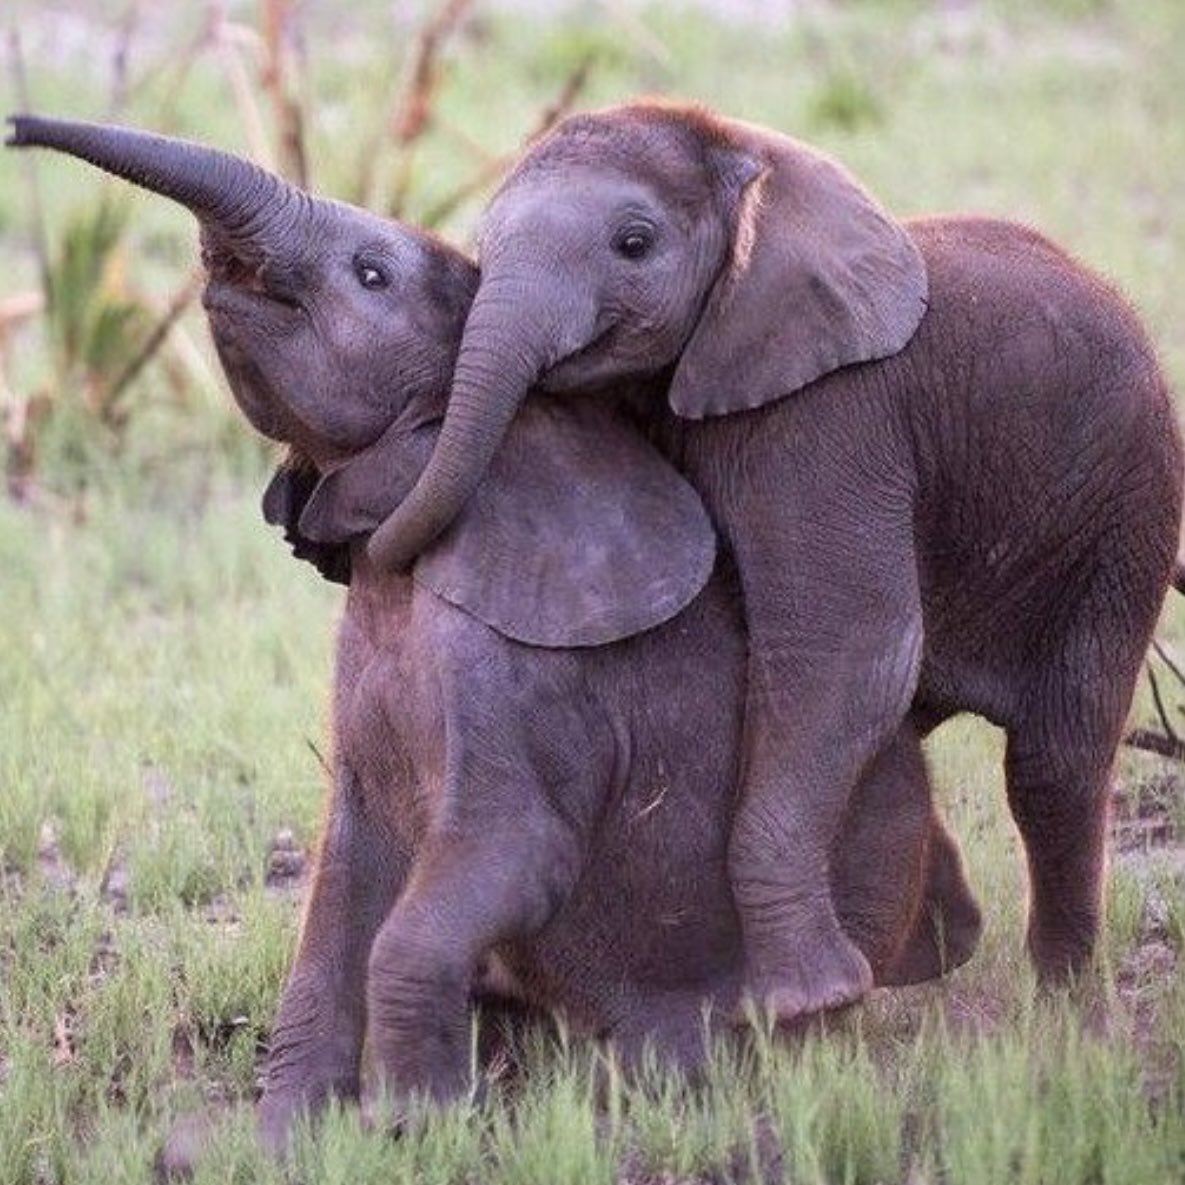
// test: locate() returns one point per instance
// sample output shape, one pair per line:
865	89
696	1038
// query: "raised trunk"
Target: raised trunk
514	332
237	198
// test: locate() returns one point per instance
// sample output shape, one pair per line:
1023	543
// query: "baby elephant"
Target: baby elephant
536	731
941	452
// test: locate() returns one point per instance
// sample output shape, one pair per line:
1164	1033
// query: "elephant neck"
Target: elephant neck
378	605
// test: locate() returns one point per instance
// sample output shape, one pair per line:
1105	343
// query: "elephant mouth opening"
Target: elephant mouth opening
577	369
241	273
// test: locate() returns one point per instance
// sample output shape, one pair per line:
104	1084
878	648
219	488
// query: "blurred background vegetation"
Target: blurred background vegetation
1063	113
163	702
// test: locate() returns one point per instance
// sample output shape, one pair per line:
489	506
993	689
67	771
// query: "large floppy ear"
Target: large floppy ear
284	501
581	533
354	498
818	277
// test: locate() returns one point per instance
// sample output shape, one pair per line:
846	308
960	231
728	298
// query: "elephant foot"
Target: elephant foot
275	1121
186	1143
948	925
1063	956
824	978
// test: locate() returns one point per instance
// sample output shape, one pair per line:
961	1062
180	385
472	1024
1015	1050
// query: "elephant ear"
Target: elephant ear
354	498
819	277
284	501
581	534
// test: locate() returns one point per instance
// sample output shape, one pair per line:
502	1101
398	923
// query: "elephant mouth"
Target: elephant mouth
237	281
574	370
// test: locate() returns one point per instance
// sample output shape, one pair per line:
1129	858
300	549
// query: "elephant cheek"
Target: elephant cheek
249	390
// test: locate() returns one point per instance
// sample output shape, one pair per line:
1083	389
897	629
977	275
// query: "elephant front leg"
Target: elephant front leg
316	1041
798	960
835	645
504	877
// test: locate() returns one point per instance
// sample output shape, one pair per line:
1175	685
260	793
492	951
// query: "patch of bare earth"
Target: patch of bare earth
287	864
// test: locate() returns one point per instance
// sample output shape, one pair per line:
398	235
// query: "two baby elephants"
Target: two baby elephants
633	673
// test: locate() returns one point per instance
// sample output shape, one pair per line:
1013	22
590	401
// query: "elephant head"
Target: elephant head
338	331
652	239
329	321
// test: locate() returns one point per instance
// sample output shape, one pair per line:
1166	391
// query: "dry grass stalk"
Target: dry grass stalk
177	305
20	87
282	51
120	77
1167	743
560	106
233	41
179	65
1149	741
411	114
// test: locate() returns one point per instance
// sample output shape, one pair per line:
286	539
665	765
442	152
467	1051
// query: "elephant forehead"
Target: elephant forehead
566	200
669	166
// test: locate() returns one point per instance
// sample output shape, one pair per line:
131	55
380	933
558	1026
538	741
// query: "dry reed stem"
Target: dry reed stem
1148	741
281	46
177	305
232	40
411	114
120	59
20	86
489	172
180	65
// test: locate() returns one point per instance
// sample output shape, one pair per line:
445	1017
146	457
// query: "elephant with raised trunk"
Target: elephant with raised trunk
941	451
536	732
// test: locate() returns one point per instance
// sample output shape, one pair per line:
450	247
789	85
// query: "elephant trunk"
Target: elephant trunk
242	203
514	332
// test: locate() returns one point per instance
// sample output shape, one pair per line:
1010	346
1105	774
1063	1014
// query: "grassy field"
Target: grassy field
163	697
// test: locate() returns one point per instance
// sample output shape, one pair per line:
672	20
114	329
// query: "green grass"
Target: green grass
166	665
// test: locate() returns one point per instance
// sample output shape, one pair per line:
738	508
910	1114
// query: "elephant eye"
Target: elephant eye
369	274
634	243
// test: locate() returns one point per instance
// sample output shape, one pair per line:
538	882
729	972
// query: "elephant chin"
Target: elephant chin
591	368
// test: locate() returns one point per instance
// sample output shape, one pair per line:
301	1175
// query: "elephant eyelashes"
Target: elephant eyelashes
370	275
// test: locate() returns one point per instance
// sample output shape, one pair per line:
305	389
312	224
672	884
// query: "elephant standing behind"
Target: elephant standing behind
941	452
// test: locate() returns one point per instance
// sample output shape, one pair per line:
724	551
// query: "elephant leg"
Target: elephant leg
1062	746
503	875
316	1041
948	923
835	635
671	1027
879	856
1058	767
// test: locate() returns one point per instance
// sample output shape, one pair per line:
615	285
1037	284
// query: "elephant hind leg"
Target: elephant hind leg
878	858
1058	768
949	922
1062	746
1058	794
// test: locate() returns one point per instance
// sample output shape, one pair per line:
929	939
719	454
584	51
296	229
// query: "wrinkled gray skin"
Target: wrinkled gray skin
549	819
955	486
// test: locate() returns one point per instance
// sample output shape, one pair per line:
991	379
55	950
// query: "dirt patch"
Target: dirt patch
1146	813
287	863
